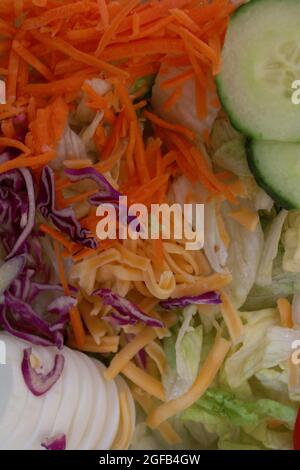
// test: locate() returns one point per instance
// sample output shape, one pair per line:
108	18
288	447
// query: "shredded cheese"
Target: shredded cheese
123	438
205	377
285	312
108	344
95	325
147	404
232	318
202	284
245	217
139	377
128	352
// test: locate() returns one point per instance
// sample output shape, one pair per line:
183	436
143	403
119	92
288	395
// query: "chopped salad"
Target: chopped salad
161	101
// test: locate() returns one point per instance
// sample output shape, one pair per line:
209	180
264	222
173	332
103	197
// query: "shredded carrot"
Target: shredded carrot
75	318
135	24
13	68
6	142
32	60
77	327
61	12
141	47
112	28
58	87
49	125
8	129
184	19
27	162
131	147
104	13
139	144
58	44
60	267
177	80
173	98
200	45
57	236
166	125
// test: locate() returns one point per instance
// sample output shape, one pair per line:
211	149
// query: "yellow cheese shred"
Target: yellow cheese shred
108	344
97	327
146	336
246	217
285	312
202	284
123	437
205	377
144	380
142	338
147	404
231	317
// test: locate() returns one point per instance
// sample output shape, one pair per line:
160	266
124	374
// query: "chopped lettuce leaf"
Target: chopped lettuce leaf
244	254
284	284
232	157
240	424
272	238
183	351
248	360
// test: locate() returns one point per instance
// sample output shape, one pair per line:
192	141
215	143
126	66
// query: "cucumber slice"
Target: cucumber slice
276	167
261	60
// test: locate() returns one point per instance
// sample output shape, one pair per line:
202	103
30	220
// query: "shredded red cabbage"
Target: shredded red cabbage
181	302
106	191
39	383
21	333
17	208
61	307
127	312
63	219
58	442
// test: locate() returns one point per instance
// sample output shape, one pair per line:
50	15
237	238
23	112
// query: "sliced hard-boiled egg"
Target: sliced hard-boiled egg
113	416
70	388
85	408
90	411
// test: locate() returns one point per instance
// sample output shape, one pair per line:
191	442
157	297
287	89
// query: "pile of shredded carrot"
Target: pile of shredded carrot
48	50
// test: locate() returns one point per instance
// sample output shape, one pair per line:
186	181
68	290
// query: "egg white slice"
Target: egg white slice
32	405
84	408
49	411
14	393
97	420
113	412
70	397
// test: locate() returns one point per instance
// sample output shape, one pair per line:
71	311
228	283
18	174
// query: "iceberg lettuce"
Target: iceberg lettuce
183	351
